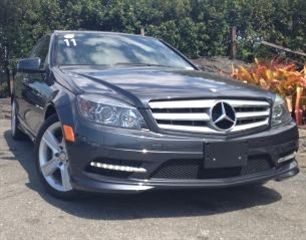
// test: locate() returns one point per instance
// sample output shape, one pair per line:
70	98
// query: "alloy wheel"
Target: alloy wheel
53	158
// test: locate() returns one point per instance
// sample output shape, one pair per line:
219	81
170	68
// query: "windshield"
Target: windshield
114	49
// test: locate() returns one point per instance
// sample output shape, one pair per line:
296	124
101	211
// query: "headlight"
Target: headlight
280	113
110	112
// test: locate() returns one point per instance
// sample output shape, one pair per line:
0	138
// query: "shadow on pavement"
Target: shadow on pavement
153	204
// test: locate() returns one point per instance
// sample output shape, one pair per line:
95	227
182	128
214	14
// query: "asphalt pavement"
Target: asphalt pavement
276	210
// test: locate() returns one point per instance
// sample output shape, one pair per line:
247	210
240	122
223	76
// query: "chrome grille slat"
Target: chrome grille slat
247	115
187	128
247	103
182	116
194	115
181	104
250	125
206	103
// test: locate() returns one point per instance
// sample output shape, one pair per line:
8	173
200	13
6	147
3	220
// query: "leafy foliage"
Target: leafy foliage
196	27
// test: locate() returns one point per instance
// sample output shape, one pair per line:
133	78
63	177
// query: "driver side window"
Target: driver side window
41	50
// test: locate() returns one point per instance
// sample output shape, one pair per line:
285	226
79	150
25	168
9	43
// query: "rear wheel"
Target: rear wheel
17	134
52	160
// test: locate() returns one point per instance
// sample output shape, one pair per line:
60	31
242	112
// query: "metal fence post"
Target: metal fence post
233	47
142	31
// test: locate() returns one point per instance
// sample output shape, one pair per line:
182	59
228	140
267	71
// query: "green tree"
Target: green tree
196	27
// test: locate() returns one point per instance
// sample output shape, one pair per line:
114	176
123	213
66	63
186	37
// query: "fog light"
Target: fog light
287	157
118	167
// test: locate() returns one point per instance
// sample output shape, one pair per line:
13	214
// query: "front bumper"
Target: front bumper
153	151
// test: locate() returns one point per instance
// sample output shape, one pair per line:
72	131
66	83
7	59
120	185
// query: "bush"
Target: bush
196	27
272	75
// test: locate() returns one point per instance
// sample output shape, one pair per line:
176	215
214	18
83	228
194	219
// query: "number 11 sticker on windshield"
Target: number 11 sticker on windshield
70	40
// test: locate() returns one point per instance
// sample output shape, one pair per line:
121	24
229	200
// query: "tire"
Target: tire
17	134
52	161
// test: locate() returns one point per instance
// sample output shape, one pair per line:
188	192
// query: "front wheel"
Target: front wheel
52	160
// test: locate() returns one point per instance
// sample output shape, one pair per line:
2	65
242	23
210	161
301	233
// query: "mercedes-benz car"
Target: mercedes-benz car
115	112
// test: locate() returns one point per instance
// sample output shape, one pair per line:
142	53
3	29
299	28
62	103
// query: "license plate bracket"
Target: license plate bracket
225	154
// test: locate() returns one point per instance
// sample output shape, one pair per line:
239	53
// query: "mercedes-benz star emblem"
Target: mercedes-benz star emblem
223	116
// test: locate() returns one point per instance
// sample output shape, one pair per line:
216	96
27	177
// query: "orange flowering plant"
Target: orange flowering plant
273	75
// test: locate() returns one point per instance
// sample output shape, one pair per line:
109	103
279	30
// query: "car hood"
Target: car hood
140	85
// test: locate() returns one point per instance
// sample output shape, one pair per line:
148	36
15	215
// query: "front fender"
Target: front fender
63	103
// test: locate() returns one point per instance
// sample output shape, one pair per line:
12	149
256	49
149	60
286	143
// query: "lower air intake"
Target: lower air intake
193	169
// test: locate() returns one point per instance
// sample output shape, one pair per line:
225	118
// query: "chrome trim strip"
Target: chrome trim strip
182	104
210	130
206	103
182	116
243	127
188	128
247	103
247	115
287	158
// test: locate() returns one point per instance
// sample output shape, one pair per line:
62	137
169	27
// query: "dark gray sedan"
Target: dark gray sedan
112	112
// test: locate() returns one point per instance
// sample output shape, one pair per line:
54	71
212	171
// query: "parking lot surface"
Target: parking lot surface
275	211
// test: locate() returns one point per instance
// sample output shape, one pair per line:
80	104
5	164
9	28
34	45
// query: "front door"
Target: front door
35	89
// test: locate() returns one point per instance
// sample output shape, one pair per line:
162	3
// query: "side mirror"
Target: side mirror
29	65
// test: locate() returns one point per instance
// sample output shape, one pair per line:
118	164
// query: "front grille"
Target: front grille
194	115
193	169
